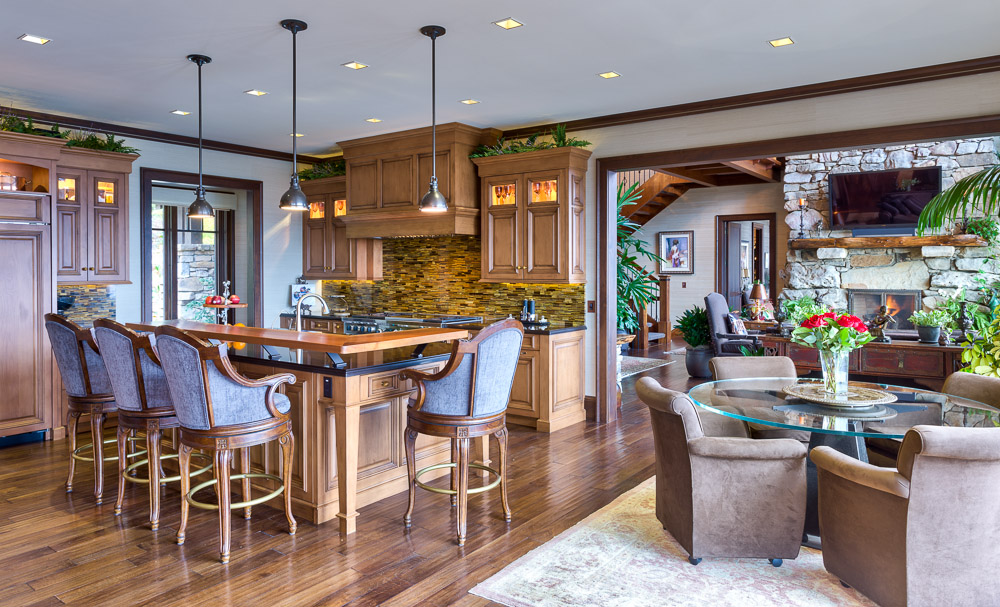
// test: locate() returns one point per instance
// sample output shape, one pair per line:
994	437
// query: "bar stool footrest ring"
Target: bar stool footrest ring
111	458
132	477
474	490
235	505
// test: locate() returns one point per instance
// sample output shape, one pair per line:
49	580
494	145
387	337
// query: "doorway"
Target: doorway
746	250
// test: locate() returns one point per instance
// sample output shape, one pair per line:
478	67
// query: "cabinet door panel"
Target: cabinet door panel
315	255
568	364
362	185
524	391
397	182
502	257
71	232
343	260
380	438
107	252
543	242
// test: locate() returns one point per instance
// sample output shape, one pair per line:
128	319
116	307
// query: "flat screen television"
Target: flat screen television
882	198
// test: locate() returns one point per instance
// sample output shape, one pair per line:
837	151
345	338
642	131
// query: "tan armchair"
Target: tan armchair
920	534
732	367
974	387
724	496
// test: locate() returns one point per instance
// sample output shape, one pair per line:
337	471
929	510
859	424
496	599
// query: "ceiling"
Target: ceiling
124	62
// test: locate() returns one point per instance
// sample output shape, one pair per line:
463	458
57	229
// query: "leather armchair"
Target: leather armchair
974	387
920	534
724	496
725	343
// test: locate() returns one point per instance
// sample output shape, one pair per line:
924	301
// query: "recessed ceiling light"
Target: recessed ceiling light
255	93
786	41
35	39
354	65
609	75
180	112
470	101
296	134
508	23
373	120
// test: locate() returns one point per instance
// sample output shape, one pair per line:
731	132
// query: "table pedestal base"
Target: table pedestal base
850	445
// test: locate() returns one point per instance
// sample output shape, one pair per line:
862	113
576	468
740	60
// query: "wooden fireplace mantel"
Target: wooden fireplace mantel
887	242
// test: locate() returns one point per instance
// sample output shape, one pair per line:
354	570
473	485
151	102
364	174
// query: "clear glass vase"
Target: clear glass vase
834	366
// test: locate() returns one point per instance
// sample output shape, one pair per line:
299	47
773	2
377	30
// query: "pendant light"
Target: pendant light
433	201
200	209
294	199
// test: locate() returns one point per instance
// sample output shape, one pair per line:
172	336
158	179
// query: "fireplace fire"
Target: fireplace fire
865	303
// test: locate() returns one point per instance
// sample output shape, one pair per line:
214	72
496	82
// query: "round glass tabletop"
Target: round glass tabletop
761	400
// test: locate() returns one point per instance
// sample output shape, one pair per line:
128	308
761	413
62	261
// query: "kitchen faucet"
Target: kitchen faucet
298	308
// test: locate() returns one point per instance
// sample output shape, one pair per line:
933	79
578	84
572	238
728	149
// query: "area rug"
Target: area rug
635	364
620	556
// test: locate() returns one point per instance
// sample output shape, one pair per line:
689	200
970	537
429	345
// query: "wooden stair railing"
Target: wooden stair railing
646	322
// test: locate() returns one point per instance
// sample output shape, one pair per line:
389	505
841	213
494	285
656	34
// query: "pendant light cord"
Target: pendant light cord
295	134
434	108
201	186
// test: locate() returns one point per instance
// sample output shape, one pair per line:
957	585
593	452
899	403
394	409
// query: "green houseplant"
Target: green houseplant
558	136
929	324
693	325
636	286
797	310
982	355
977	194
328	168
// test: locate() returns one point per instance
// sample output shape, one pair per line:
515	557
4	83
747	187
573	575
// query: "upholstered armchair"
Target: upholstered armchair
724	496
219	411
920	534
752	366
88	390
466	400
724	341
979	388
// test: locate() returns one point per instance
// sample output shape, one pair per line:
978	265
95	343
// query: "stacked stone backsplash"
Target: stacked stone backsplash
92	302
827	273
441	276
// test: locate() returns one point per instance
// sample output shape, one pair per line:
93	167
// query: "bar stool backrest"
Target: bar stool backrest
480	373
137	378
78	358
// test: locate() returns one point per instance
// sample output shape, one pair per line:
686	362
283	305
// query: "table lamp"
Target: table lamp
758	295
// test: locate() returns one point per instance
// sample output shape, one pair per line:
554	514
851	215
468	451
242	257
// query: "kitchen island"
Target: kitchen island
348	409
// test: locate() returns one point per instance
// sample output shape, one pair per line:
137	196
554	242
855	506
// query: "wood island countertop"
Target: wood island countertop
323	342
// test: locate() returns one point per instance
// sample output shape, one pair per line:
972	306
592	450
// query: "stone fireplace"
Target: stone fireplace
900	304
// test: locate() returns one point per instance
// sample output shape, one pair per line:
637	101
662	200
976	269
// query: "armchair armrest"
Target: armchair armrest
721	447
846	467
421	378
754	337
271	382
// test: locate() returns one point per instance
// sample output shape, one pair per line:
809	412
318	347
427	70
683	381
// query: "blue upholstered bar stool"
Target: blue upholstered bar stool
220	410
466	400
89	390
140	389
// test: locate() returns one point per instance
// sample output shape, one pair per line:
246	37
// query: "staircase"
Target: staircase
658	191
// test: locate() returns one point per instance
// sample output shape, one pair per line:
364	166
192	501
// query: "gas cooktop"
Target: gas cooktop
385	322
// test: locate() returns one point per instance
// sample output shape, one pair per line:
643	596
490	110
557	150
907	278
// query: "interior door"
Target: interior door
734	290
757	263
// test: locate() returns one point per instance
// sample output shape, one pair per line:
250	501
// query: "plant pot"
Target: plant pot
696	361
929	335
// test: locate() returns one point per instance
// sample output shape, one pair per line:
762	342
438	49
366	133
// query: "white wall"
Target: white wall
696	210
967	96
282	253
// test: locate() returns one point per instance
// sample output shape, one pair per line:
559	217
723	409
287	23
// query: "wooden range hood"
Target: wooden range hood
388	174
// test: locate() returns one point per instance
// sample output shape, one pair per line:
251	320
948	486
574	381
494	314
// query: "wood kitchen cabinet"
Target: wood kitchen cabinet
533	216
327	252
387	175
91	217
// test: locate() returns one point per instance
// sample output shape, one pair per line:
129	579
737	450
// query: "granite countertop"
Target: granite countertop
355	364
550	329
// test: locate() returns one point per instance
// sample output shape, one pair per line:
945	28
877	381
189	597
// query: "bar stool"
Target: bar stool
465	400
220	410
89	390
140	390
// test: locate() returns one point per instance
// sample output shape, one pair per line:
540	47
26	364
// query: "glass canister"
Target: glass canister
338	306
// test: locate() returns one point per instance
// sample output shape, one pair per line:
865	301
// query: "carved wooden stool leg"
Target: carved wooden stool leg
223	460
502	442
410	440
97	436
245	469
72	421
287	443
123	435
454	471
153	453
463	487
184	460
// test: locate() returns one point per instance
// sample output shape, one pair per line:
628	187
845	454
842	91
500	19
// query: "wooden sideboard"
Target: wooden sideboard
925	364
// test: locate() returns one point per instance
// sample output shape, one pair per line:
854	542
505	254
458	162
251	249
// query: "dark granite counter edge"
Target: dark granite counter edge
287	364
552	330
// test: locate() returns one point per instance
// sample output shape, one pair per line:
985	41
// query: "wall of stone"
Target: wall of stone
195	279
441	276
92	302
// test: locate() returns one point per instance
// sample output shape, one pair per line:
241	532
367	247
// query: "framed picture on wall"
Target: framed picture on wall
677	251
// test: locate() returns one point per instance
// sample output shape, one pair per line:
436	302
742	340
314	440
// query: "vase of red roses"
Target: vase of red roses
835	336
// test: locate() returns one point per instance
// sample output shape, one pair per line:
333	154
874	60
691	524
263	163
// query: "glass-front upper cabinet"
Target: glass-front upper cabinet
502	194
67	187
544	190
317	209
106	192
340	207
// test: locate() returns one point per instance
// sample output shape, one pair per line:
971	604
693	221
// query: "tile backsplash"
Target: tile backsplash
92	302
441	276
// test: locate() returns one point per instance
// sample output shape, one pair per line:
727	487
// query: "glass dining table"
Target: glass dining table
767	410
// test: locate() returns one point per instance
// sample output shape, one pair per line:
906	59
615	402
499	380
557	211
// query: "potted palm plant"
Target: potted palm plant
977	194
637	286
693	325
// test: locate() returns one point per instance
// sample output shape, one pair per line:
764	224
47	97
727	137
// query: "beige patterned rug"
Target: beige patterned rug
633	365
620	556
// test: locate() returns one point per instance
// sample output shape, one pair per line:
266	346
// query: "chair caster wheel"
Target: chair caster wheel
693	560
843	584
775	562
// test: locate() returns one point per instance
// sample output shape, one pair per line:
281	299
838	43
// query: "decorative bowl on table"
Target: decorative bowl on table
856	396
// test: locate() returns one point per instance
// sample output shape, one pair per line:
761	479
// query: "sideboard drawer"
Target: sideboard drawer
908	363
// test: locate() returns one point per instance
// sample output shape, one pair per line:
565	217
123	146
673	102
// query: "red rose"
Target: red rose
852	322
816	321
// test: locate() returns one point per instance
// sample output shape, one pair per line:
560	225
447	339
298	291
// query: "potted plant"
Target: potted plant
981	354
693	325
929	324
976	194
637	286
835	337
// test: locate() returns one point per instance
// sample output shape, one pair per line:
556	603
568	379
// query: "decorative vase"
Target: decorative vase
696	361
834	366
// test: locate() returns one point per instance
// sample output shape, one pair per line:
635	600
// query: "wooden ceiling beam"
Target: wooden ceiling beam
690	175
754	168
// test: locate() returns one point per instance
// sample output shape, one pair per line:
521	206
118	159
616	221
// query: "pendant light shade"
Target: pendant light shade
294	199
200	209
433	201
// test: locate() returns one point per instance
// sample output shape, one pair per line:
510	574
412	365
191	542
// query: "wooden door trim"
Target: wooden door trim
722	245
605	400
255	191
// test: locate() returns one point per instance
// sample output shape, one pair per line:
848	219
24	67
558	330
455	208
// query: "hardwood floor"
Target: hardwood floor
58	548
